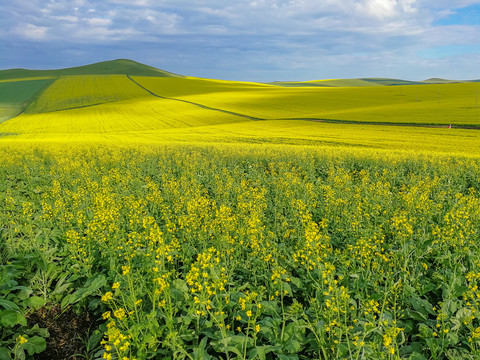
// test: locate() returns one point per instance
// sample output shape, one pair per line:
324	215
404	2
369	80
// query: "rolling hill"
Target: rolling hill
126	98
112	67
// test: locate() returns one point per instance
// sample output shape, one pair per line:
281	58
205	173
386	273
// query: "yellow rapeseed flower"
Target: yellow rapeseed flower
106	315
107	297
120	314
125	270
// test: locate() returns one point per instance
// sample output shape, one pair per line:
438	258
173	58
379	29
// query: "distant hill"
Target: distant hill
363	82
112	67
391	82
446	81
326	83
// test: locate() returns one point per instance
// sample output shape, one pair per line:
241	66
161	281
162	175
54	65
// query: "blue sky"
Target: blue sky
253	40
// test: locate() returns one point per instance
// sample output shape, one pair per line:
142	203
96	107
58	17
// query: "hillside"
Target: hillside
113	67
15	96
361	82
126	97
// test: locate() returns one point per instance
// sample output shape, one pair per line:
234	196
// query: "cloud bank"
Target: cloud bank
260	40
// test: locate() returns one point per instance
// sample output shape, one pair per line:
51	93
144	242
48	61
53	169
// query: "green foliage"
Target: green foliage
17	339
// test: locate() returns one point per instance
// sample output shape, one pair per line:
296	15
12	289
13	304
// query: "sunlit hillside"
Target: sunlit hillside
127	101
414	104
113	67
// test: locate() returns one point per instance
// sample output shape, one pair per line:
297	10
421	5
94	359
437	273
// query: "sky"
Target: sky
250	40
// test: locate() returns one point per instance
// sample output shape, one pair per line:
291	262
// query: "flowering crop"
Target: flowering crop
243	251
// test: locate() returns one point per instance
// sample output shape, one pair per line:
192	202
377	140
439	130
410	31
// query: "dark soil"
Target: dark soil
68	332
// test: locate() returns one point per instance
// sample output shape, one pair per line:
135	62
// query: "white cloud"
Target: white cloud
103	34
98	22
380	9
409	6
31	31
66	18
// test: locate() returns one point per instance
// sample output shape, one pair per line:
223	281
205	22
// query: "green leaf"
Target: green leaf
416	356
24	293
461	316
232	349
5	354
36	302
415	315
200	352
37	330
287	357
63	283
422	306
8	305
94	303
320	325
287	288
297	282
94	339
223	345
67	300
35	345
90	288
11	318
181	285
187	319
452	338
179	291
433	343
293	346
256	353
343	350
270	308
96	283
294	331
411	348
238	340
19	353
270	328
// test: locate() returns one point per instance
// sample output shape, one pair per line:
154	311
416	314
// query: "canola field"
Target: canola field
244	251
410	104
197	219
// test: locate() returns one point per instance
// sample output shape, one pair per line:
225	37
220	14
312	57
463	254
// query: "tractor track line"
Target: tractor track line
195	104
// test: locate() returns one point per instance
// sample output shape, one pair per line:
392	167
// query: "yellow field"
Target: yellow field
151	109
206	219
79	91
424	104
120	117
